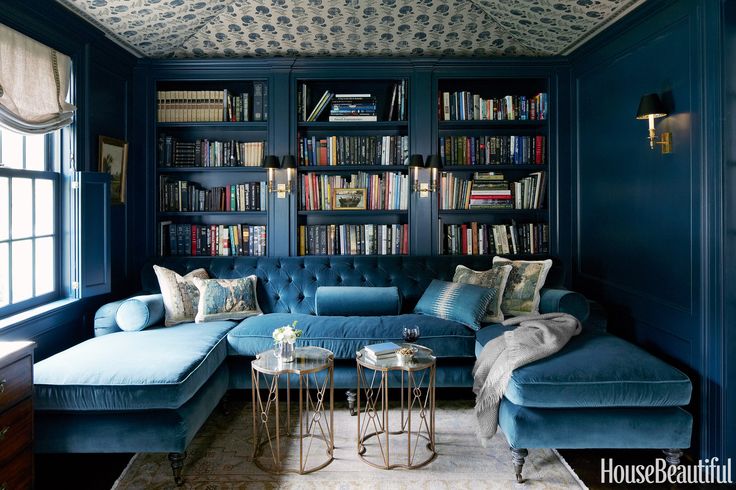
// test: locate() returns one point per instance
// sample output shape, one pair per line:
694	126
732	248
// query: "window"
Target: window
29	220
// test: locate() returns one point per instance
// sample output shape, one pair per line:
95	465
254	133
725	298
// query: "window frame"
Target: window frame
52	173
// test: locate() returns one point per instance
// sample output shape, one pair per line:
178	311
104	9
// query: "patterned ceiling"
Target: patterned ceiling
238	28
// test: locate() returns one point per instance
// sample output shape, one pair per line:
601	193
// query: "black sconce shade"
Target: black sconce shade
271	162
288	162
416	161
434	161
650	104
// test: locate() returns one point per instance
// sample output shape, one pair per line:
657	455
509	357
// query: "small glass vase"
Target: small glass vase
284	351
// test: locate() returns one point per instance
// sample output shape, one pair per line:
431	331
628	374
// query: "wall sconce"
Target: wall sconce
271	163
415	163
288	162
434	163
650	107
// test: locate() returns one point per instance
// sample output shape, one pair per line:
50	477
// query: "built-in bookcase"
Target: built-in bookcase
352	146
212	195
493	138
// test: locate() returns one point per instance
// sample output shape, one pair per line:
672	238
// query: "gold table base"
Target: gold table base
375	415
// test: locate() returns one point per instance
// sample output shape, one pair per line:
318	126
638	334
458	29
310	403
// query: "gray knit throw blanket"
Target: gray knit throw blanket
536	337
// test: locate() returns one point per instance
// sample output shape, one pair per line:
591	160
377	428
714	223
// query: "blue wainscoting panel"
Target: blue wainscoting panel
94	232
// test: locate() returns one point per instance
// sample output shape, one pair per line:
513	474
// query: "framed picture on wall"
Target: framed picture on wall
114	160
347	198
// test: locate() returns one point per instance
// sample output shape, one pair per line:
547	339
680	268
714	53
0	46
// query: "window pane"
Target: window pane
44	265
4	275
4	206
12	155
44	207
22	270
36	152
22	207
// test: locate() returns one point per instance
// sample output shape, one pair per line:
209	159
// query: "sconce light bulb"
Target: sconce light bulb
651	121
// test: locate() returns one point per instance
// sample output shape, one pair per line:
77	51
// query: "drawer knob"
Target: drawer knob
3	432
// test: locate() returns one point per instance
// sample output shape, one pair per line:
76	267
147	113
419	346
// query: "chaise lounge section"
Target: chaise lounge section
151	390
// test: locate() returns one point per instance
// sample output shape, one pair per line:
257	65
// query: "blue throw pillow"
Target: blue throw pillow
357	301
462	303
140	312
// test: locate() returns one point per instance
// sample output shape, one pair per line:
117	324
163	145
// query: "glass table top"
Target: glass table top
422	359
306	360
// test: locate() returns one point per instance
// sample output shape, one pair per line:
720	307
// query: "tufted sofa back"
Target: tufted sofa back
289	284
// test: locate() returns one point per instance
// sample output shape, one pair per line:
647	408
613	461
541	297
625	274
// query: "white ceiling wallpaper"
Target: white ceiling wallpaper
237	28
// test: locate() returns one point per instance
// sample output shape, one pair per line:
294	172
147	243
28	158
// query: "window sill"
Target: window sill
34	313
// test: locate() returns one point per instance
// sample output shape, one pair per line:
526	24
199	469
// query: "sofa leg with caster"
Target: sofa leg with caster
177	463
517	457
352	398
672	456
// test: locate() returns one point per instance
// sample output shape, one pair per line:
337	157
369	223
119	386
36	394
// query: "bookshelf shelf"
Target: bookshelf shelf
494	124
491	168
242	126
352	168
374	125
520	212
175	170
359	212
242	214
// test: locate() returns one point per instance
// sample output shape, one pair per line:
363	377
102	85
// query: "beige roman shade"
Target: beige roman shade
34	85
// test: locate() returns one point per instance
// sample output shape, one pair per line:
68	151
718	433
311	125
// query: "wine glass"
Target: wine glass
411	334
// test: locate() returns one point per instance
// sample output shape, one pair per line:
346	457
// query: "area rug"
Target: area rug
220	458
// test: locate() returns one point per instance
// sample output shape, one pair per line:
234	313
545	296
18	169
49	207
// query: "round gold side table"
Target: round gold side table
417	381
315	417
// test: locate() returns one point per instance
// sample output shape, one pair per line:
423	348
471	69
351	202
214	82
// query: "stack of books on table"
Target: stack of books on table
381	352
353	107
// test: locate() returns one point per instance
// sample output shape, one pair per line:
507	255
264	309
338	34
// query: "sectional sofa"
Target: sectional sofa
151	390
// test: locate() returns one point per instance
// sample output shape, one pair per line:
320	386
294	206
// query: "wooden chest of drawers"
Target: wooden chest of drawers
16	415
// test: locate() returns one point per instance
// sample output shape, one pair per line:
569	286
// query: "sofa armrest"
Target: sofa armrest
129	314
105	318
564	301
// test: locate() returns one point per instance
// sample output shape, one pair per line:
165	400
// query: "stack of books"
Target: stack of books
489	190
353	107
381	352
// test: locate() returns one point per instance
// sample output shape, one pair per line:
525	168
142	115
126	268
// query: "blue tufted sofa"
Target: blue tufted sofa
151	391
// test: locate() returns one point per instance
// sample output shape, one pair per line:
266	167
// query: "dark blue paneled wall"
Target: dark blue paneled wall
645	225
103	83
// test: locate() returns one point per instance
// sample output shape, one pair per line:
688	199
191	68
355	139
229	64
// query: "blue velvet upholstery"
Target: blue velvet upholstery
357	301
105	322
152	369
346	335
161	430
596	370
601	427
456	301
564	301
140	312
289	284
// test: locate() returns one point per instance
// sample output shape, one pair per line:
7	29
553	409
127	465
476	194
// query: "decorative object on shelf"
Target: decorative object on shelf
284	339
434	164
411	334
651	107
113	155
271	163
288	163
416	162
349	199
405	355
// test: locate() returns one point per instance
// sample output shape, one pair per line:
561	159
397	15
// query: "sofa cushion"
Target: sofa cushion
156	368
596	370
345	335
357	300
226	299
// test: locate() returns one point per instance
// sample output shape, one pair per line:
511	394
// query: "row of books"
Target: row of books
182	195
206	153
213	105
467	106
491	191
387	190
353	150
354	239
493	150
351	107
211	240
481	239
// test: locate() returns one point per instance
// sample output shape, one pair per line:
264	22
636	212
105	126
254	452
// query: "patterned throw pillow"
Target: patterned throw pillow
521	296
495	278
181	296
227	299
462	303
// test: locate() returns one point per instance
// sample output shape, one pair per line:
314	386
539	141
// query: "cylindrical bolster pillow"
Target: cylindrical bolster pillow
105	318
564	301
357	301
140	312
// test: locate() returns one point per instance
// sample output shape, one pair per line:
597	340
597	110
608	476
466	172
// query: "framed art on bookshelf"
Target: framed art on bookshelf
349	199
